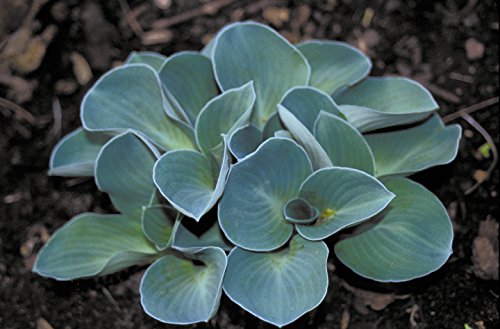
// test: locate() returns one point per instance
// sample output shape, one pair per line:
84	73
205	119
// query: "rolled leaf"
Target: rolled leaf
94	244
75	153
334	64
250	51
410	150
278	287
413	239
223	115
344	197
150	58
158	224
258	187
244	141
190	181
319	157
177	291
124	170
385	102
189	79
131	97
305	103
344	145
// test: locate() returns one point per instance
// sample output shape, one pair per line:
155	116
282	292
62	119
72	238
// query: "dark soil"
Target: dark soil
422	39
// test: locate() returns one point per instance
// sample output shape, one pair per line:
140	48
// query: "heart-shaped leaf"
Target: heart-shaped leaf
250	51
385	102
150	58
334	64
305	103
415	149
94	244
190	181
258	187
75	154
131	97
175	290
319	158
185	239
158	224
223	115
124	170
244	141
189	79
345	146
413	238
344	197
278	287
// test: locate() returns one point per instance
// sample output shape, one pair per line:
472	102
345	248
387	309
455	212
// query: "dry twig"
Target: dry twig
470	109
18	110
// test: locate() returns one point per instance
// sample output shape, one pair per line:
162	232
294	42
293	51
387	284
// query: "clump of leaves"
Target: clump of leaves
287	144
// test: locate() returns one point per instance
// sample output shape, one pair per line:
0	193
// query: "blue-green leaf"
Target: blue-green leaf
190	181
75	153
345	146
223	115
158	224
344	197
305	103
258	187
334	64
250	51
385	102
124	170
415	149
189	79
184	239
413	239
131	97
177	291
278	287
244	141
319	158
94	244
272	125
150	58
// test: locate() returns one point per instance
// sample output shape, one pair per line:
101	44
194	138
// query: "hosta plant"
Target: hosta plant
271	148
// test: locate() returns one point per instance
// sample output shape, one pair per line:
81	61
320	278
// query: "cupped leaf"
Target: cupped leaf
305	103
244	141
344	197
150	58
223	115
185	239
75	154
272	125
415	149
413	239
300	211
258	187
176	290
319	157
158	224
250	51
94	244
278	287
334	64
189	79
345	146
190	181
124	170
385	102
131	97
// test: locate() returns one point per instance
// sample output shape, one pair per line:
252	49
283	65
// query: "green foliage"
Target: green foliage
260	149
